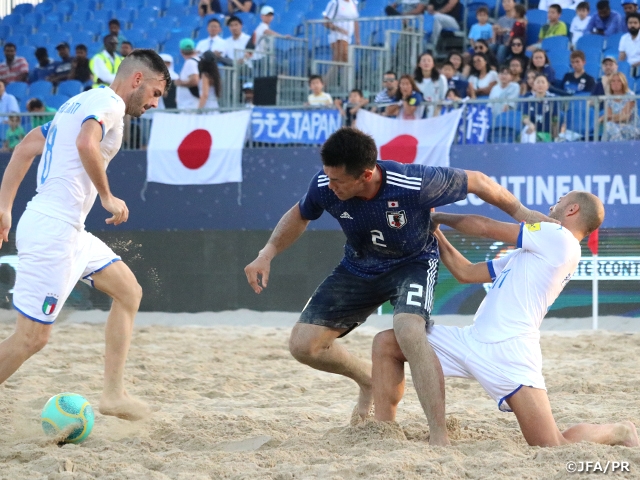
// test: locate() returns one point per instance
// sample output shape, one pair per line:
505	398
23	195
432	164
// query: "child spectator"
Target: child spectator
554	28
482	79
449	72
481	30
580	22
318	97
506	89
520	25
540	63
540	116
578	81
14	134
455	58
354	103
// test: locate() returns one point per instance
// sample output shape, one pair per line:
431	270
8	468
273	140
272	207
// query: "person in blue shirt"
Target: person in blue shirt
482	30
383	208
605	22
45	68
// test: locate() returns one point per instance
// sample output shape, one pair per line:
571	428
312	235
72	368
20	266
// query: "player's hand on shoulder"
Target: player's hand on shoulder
257	273
117	208
5	225
536	217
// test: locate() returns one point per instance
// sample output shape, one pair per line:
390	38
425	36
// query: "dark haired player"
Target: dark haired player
384	209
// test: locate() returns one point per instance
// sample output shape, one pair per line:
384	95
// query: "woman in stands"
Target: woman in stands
517	71
240	6
210	82
620	113
481	46
540	64
341	18
430	82
482	79
516	50
462	69
526	87
540	115
411	100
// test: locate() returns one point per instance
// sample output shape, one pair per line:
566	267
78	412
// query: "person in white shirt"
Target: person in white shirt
629	46
579	22
210	82
187	92
54	249
214	42
263	42
502	348
341	18
505	89
431	83
237	41
318	96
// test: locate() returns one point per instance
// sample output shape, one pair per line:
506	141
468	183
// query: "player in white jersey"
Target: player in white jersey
54	249
502	348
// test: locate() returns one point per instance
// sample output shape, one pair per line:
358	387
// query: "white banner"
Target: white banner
426	141
192	149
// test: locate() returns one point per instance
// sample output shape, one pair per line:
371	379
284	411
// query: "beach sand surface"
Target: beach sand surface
232	403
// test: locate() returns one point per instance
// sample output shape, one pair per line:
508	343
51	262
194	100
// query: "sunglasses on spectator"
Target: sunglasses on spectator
516	44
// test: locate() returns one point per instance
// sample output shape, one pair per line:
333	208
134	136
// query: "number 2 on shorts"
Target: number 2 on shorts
417	291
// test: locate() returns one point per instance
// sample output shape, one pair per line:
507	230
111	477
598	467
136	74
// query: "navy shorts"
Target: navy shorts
345	300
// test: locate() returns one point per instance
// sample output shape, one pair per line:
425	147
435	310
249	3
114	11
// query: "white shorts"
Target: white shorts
501	368
335	36
52	256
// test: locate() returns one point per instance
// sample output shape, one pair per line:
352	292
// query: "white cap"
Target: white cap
247	86
266	10
166	58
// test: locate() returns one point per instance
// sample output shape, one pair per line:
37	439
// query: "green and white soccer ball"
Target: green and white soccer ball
68	414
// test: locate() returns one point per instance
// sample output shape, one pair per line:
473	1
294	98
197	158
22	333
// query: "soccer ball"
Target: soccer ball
70	414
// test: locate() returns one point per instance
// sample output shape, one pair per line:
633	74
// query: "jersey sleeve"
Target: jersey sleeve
107	110
442	186
45	129
547	240
310	205
496	265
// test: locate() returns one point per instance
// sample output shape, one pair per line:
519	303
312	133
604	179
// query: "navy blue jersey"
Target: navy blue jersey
393	227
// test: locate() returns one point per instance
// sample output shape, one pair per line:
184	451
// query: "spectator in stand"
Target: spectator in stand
609	67
540	116
526	87
262	39
13	69
237	41
104	65
247	94
505	89
214	42
390	91
126	48
580	22
482	30
605	22
114	29
342	16
620	114
210	82
502	28
8	103
410	99
482	46
61	68
555	27
206	7
168	99
517	70
456	59
239	6
318	97
350	110
578	81
429	82
518	30
629	47
482	79
545	4
630	6
516	50
446	15
540	63
449	72
15	134
36	105
80	66
45	67
187	92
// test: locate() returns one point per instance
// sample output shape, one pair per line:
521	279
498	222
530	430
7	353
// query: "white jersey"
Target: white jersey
65	191
526	283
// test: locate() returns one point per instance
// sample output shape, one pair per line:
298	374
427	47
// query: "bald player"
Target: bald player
502	348
54	249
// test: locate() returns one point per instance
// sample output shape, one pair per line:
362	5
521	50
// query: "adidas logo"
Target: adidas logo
346	215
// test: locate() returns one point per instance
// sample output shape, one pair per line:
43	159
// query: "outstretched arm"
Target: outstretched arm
495	194
462	269
288	230
479	226
21	159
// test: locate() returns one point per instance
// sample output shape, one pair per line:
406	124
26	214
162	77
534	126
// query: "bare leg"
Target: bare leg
315	346
426	372
28	338
119	283
533	411
388	375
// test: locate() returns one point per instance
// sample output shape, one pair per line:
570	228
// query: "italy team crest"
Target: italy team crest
49	305
397	219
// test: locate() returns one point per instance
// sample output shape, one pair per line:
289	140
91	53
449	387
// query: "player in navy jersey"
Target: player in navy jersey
384	210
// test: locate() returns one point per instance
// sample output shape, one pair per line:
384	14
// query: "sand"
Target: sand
232	403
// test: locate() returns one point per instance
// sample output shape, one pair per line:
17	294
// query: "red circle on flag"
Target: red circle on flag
194	150
403	149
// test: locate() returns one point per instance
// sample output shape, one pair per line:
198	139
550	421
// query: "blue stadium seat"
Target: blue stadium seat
33	18
613	41
104	15
66	8
5	31
40	88
72	26
190	23
561	70
125	15
167	22
178	11
23	8
315	13
95	26
161	4
136	36
12	19
591	42
506	127
55	101
70	88
17	40
610	52
559	57
22	29
159	34
45	7
18	89
39	39
593	69
149	12
111	4
86	5
577	118
567	16
85	38
559	43
533	32
625	68
54	17
594	55
59	37
50	28
537	17
146	43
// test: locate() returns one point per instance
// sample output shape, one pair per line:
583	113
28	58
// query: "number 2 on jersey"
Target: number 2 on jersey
48	153
377	238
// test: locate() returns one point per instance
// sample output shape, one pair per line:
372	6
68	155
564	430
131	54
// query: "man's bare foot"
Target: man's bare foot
364	409
439	440
124	407
629	437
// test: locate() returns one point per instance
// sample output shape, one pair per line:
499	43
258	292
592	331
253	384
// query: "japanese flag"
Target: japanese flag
192	149
426	141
